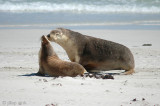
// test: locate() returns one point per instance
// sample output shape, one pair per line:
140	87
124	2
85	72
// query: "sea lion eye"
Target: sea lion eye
57	34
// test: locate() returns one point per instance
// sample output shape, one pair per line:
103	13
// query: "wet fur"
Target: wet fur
51	64
97	54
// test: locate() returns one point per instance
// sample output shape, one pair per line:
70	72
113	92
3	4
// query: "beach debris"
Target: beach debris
134	100
143	99
58	84
51	104
91	75
107	77
54	78
107	91
82	83
125	82
45	80
147	45
98	76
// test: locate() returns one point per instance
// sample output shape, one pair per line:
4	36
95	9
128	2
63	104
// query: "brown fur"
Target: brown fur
49	62
94	53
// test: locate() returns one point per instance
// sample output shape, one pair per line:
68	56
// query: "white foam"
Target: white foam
76	8
147	22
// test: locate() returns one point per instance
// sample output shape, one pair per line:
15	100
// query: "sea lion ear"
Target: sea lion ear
44	40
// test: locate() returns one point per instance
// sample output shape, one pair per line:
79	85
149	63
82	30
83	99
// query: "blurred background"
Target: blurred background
80	14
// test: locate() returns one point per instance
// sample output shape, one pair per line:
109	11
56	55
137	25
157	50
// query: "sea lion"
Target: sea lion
93	53
51	64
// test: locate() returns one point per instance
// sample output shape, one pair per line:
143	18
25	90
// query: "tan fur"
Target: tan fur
128	72
51	64
93	53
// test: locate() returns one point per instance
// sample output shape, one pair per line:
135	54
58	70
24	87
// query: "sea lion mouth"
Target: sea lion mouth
44	39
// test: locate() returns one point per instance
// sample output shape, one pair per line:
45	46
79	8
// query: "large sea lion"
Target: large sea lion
51	64
93	53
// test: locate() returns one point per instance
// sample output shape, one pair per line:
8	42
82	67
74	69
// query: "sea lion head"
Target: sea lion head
57	36
46	48
44	40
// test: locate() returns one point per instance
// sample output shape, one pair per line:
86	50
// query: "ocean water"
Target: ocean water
84	14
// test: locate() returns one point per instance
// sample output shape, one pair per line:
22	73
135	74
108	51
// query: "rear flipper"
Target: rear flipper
128	72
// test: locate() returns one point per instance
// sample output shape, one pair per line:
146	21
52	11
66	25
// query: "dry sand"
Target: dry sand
19	61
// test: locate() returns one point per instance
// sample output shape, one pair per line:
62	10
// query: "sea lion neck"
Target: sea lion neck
47	50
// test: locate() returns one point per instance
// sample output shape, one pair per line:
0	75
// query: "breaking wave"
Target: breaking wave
77	7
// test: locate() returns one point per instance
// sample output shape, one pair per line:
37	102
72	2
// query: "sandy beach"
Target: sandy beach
20	87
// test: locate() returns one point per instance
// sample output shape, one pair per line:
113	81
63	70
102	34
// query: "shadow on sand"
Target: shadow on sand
33	74
96	75
28	75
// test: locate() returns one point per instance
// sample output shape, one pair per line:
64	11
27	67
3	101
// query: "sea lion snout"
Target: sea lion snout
48	35
44	40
